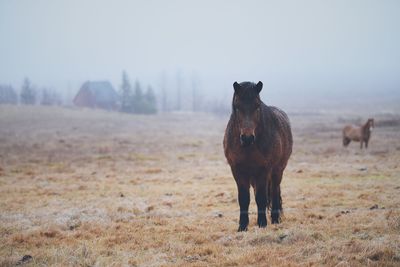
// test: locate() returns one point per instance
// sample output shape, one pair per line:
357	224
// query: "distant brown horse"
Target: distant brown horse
257	144
358	134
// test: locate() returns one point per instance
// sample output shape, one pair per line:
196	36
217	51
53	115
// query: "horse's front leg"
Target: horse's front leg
261	193
361	144
244	201
243	186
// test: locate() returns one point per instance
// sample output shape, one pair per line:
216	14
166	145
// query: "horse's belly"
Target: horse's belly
354	134
251	160
355	137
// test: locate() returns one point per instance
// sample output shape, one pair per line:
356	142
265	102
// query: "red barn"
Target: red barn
97	94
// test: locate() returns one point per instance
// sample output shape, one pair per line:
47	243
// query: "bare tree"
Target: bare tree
195	96
163	92
50	97
28	93
178	90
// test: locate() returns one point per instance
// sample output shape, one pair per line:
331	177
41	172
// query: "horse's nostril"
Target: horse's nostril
247	139
251	138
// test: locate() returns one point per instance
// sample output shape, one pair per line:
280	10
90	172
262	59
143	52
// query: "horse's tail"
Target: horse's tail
269	194
281	214
345	135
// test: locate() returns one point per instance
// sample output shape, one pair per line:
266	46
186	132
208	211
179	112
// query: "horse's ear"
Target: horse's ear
236	86
259	86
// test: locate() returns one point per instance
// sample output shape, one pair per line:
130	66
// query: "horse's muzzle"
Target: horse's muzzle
246	140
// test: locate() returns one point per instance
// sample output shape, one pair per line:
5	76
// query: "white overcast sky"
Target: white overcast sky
303	46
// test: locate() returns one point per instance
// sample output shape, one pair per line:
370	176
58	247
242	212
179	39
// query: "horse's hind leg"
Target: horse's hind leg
276	209
346	141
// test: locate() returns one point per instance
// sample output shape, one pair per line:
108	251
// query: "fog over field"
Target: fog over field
305	52
113	116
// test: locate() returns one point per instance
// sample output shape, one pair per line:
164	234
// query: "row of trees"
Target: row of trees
28	95
133	100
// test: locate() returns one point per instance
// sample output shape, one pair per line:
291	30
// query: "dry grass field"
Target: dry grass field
96	188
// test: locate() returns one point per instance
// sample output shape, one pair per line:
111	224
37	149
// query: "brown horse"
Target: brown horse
358	134
257	144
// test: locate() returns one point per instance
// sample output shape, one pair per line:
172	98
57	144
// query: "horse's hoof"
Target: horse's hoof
242	228
276	221
275	217
262	222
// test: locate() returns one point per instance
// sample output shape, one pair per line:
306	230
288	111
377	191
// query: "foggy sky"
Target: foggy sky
300	47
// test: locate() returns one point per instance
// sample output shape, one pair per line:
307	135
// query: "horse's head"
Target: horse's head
370	124
246	106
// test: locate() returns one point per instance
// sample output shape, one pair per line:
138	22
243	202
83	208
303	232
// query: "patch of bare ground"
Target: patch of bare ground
84	188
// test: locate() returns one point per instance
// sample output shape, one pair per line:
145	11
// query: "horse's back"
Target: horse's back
352	132
347	129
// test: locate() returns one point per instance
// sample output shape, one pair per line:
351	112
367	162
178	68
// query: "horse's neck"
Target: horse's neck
266	116
366	126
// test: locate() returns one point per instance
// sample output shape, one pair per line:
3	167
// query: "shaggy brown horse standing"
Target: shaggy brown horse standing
257	144
358	134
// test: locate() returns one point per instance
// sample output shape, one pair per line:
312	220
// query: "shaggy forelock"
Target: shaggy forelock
248	91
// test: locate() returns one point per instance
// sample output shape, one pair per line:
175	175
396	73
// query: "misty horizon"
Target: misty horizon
308	50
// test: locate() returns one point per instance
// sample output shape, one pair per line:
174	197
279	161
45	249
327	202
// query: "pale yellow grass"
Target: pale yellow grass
95	188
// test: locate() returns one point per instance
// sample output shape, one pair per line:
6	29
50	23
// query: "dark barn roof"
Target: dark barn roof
97	94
